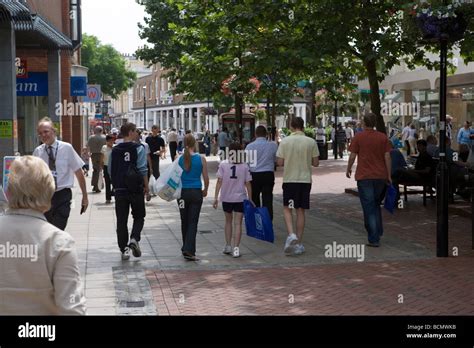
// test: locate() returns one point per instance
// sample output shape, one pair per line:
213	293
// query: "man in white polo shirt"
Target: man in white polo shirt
64	163
297	153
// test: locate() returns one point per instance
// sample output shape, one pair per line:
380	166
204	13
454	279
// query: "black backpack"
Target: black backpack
125	174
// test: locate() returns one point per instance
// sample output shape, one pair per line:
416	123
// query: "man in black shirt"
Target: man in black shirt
157	150
424	172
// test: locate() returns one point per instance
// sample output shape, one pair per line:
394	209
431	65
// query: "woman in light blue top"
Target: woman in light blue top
190	203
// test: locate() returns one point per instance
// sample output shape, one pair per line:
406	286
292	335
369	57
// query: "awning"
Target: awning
31	29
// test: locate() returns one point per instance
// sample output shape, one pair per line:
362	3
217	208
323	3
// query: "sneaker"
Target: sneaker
299	249
236	252
227	250
135	248
290	243
126	254
108	201
373	245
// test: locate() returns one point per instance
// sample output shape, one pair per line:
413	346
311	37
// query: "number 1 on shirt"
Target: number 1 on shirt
234	169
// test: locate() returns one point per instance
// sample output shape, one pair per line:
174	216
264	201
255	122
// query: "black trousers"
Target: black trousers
122	208
60	209
108	184
190	205
262	184
173	148
155	166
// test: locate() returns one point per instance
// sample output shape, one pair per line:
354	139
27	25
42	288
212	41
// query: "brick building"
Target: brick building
39	51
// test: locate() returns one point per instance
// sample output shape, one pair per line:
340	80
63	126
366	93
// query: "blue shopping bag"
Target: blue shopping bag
390	199
258	222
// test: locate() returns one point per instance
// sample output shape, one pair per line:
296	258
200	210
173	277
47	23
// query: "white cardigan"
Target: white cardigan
39	273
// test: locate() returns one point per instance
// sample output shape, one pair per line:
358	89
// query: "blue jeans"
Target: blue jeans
371	194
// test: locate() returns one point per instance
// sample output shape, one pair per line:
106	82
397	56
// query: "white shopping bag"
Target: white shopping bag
100	181
168	185
151	184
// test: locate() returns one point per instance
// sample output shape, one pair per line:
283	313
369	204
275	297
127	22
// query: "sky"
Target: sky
114	22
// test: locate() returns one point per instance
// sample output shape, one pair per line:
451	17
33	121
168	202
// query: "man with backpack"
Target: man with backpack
129	173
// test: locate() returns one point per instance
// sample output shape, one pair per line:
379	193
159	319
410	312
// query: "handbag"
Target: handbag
390	199
258	222
168	186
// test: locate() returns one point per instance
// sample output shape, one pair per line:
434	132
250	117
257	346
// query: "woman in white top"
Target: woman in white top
39	273
412	140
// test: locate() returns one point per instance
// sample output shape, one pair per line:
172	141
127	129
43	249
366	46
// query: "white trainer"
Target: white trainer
299	249
126	254
227	250
236	252
290	243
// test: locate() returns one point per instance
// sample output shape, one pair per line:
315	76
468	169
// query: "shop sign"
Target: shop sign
36	85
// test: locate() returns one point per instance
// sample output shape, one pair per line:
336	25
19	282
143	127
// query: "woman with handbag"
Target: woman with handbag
194	167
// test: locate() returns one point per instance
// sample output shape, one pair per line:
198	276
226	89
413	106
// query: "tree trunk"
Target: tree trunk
238	116
313	106
274	97
269	121
375	94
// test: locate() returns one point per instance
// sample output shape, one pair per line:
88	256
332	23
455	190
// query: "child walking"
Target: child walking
234	186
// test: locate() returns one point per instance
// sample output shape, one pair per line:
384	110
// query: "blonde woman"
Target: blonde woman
43	278
194	167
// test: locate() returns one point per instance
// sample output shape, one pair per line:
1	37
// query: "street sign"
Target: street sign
36	85
94	94
78	86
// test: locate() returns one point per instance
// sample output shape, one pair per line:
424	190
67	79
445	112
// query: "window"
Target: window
163	87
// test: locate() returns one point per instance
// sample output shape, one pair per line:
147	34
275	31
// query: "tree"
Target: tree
106	67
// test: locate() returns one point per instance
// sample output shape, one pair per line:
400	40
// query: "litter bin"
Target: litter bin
323	150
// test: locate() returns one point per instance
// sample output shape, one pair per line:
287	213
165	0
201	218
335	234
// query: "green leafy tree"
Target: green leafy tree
106	67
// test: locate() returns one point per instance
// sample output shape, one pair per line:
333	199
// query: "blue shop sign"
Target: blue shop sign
78	86
36	85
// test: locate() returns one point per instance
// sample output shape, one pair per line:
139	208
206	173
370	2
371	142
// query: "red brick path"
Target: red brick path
428	287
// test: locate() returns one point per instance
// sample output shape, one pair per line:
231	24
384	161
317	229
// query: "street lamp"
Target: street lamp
144	107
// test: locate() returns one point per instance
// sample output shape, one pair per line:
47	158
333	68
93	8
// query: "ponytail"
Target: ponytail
189	142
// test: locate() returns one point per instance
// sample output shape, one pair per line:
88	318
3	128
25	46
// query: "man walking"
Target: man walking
297	153
157	150
173	143
372	150
466	134
95	144
64	164
129	174
223	140
106	151
263	170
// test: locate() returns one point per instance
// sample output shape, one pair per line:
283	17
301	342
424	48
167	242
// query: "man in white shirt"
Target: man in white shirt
64	163
405	135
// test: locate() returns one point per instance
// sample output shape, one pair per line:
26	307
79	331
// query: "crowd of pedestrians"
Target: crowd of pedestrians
39	191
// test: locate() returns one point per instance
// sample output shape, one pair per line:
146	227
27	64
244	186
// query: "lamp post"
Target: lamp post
144	108
442	189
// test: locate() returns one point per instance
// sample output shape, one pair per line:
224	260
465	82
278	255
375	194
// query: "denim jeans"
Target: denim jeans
371	194
190	205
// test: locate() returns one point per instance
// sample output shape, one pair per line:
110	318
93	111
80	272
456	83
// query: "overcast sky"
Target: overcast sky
113	22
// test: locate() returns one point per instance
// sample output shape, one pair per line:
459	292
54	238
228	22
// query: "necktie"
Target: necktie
52	164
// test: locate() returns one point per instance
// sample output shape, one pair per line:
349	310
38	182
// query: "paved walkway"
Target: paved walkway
264	280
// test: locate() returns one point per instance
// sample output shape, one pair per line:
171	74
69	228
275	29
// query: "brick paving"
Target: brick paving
424	287
264	280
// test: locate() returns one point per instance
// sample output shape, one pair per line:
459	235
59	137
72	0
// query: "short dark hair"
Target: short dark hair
297	123
127	128
155	127
109	137
225	129
261	131
370	120
422	142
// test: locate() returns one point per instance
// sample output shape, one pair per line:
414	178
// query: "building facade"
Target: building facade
39	44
